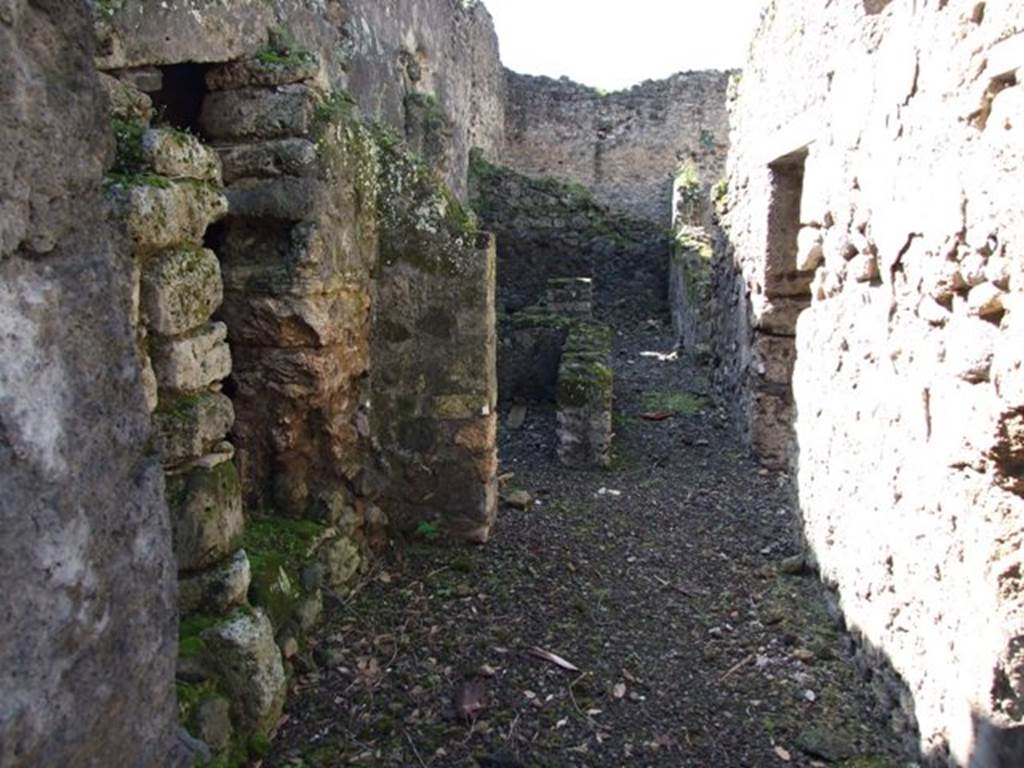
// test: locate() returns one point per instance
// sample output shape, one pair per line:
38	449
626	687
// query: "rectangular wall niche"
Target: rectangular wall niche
787	293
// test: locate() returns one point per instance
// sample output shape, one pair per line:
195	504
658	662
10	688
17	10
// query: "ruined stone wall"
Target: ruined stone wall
88	636
626	146
872	258
407	63
423	65
547	229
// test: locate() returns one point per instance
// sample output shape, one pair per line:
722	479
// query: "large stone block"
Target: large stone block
180	155
248	666
270	159
257	113
136	34
186	426
206	515
278	68
181	289
160	214
217	590
193	362
287	198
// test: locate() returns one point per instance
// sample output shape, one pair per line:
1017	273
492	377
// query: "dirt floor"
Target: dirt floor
639	616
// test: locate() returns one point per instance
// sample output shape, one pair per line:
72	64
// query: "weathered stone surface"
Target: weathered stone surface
257	113
272	68
193	362
270	159
87	637
623	146
689	284
217	590
180	155
287	198
134	34
206	516
213	723
167	214
585	398
187	426
433	345
181	289
248	664
550	230
905	382
126	101
341	561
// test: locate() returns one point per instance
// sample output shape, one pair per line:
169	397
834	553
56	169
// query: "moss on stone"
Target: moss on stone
273	542
281	51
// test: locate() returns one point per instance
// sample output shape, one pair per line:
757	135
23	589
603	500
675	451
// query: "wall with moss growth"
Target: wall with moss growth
548	229
626	146
433	377
690	289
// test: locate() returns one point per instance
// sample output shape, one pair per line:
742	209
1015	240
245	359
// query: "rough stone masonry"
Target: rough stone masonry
867	328
210	416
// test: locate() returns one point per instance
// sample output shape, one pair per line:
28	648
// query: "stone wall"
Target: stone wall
88	637
433	383
625	147
547	229
868	284
393	56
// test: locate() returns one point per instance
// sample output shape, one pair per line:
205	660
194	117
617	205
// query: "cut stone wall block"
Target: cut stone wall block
287	198
341	560
180	155
186	427
248	666
270	159
293	68
193	362
206	515
166	214
256	113
181	289
126	101
217	590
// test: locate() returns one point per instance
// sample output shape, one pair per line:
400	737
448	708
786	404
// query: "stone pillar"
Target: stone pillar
434	377
585	397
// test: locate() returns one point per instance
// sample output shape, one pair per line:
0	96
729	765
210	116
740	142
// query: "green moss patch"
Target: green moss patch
682	403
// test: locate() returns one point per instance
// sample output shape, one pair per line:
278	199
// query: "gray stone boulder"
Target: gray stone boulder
193	362
186	427
159	214
181	289
248	665
206	515
257	113
217	590
180	155
270	159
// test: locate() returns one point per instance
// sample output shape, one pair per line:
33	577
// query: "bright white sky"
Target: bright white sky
613	45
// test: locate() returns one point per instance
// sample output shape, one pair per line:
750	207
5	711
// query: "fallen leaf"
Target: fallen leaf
784	756
470	699
554	658
657	415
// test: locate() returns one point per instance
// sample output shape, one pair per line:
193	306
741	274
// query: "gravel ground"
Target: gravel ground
657	581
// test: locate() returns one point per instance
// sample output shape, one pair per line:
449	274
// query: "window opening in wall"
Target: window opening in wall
782	278
180	98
